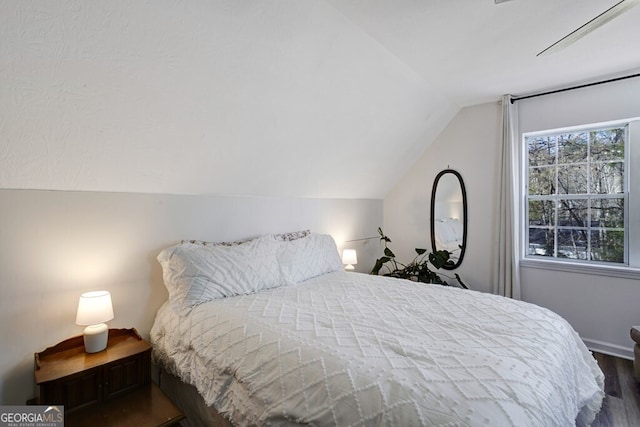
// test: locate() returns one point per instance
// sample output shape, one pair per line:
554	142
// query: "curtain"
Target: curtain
507	270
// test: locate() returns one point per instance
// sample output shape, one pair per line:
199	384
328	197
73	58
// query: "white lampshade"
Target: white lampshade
94	308
349	257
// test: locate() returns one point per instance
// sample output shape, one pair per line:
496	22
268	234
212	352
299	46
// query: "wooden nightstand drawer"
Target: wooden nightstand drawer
74	391
126	374
68	376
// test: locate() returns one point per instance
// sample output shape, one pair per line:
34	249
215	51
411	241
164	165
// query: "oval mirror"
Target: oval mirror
449	216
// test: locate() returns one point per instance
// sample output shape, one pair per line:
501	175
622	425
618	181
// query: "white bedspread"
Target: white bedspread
352	349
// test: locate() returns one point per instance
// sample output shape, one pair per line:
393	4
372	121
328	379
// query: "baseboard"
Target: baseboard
608	348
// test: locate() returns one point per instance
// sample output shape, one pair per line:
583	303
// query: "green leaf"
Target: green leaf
420	251
388	253
382	236
376	268
379	263
460	281
436	260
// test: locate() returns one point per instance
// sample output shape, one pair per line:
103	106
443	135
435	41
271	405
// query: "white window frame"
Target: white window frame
631	267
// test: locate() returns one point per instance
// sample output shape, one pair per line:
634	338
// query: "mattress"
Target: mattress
353	349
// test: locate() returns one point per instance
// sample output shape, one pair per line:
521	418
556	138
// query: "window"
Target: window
577	195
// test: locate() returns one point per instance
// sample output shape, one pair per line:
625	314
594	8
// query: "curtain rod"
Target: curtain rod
518	98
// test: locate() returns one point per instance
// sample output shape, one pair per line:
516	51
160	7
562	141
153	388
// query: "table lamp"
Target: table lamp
95	308
349	257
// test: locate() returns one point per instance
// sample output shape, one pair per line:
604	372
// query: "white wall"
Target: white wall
55	245
469	145
601	308
186	98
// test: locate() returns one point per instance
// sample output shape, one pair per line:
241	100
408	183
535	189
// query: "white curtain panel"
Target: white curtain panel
507	268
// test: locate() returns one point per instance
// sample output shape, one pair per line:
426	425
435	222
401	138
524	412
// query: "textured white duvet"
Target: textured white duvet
352	349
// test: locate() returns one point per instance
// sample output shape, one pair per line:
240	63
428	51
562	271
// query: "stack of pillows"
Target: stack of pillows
195	271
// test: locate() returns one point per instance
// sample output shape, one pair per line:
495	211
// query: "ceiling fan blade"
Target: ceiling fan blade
606	16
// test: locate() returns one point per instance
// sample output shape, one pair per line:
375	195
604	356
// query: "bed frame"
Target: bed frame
187	398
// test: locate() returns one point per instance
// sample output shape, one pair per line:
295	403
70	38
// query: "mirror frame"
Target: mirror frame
464	214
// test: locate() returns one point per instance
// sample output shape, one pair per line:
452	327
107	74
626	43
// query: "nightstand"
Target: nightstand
111	387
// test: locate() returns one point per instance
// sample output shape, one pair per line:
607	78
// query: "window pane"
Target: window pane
607	245
607	144
572	147
541	241
572	244
542	181
542	150
607	213
572	179
577	195
607	178
541	212
572	213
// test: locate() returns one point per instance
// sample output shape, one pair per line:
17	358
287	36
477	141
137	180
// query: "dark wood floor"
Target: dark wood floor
621	406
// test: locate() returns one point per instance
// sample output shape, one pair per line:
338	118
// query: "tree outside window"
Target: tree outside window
576	195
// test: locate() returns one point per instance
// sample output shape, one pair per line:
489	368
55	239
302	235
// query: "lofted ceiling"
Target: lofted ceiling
315	98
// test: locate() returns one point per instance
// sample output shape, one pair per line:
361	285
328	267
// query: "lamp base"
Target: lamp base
95	338
349	267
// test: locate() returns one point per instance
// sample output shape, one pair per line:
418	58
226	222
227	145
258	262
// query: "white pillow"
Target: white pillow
308	257
194	274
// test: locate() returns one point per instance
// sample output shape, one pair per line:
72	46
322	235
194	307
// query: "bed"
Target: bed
317	345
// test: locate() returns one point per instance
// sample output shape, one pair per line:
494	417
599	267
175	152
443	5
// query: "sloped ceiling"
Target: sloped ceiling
268	97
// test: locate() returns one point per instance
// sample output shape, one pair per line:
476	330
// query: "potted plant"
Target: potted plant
418	269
